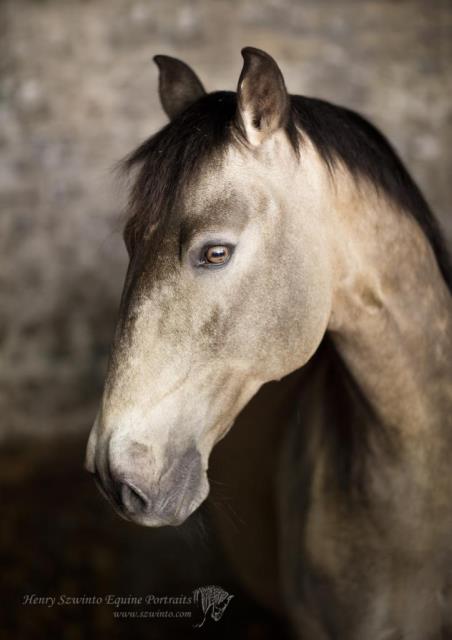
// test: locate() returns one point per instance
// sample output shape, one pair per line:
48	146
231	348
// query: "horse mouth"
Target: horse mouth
170	509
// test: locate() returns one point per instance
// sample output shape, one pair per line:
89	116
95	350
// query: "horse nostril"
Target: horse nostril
133	499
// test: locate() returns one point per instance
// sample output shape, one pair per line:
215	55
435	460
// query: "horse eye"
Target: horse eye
216	255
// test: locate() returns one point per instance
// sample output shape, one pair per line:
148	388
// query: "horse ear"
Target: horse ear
179	86
263	101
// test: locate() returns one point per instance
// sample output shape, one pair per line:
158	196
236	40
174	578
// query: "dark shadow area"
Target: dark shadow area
59	537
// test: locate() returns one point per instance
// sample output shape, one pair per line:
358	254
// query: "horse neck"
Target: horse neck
391	317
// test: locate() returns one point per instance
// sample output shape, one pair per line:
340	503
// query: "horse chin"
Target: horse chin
151	521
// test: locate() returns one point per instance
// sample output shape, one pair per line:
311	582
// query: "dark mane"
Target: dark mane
172	157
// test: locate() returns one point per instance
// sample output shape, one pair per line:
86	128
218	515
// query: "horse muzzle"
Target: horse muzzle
141	495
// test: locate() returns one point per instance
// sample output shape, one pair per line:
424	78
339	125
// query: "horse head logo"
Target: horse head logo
213	600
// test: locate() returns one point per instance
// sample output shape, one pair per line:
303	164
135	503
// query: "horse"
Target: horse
286	275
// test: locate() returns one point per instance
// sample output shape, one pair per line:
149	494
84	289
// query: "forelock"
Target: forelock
172	159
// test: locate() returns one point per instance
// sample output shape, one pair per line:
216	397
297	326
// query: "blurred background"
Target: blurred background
78	91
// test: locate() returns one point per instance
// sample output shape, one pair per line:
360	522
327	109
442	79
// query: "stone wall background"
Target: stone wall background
78	91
